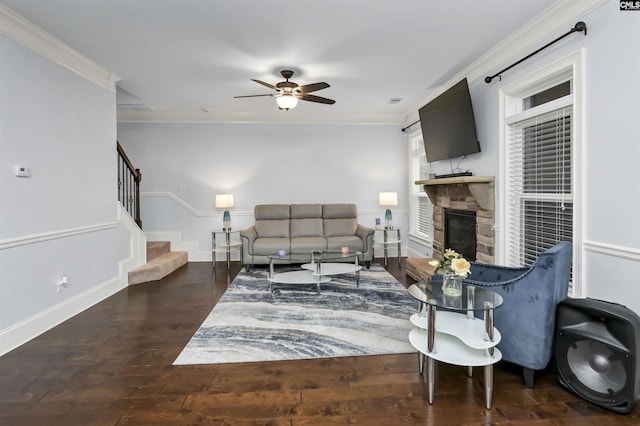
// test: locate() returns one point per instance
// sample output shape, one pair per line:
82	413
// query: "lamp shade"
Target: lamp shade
224	201
388	199
287	101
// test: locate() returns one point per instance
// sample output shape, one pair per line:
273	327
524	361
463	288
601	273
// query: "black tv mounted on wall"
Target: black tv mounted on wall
448	125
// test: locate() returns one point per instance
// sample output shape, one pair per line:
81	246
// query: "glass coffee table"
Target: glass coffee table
459	338
317	267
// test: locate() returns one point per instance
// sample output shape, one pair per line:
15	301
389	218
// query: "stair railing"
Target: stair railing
129	185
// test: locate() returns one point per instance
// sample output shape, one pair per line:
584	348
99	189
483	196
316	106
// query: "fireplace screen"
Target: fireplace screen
460	232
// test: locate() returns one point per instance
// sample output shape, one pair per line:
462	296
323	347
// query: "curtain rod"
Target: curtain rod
579	27
405	128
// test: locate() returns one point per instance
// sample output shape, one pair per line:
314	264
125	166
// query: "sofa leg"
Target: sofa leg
368	264
528	375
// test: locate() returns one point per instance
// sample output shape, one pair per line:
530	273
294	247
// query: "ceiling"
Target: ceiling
191	57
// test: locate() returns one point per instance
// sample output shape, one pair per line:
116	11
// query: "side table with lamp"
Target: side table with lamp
225	201
389	199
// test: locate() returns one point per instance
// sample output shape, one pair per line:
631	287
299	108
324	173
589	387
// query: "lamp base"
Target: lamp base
388	219
226	221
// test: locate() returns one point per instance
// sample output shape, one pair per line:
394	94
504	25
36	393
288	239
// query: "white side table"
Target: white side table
457	338
226	246
391	237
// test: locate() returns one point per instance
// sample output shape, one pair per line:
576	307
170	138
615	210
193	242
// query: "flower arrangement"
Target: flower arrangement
453	263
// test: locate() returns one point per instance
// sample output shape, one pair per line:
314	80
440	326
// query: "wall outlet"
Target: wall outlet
377	221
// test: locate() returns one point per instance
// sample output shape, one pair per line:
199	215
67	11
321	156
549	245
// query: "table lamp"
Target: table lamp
225	201
388	199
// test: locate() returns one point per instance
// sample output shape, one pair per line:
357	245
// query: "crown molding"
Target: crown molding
555	20
28	35
146	116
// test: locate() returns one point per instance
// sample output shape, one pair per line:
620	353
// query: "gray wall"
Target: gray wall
260	164
62	219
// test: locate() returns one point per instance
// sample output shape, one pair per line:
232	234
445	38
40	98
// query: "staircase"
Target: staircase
161	261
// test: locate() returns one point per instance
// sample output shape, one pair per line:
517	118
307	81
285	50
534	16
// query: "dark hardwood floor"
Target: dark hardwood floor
111	365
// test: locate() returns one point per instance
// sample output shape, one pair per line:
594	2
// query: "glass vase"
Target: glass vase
452	285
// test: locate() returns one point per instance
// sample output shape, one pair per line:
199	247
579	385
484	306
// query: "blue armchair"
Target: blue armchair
526	319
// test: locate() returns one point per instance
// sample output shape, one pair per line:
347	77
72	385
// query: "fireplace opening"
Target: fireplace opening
460	232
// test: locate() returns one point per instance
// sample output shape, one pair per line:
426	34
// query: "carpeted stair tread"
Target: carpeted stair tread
159	267
157	248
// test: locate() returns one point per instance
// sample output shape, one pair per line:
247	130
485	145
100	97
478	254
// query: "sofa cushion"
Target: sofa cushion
272	228
339	211
306	228
305	211
307	244
267	246
306	220
271	211
340	219
340	227
336	243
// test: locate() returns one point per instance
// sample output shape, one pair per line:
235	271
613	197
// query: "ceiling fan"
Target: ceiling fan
288	92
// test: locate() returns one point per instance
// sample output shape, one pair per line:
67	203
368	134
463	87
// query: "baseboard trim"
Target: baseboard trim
20	333
30	328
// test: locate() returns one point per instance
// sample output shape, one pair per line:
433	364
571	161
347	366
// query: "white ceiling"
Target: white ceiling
185	56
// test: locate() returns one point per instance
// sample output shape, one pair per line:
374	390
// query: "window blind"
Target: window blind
540	189
422	214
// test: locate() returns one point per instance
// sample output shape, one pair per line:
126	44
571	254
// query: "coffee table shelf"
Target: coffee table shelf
317	268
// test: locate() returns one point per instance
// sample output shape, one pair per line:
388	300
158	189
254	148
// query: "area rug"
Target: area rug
251	324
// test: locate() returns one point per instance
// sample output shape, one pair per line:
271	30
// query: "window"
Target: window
421	206
539	164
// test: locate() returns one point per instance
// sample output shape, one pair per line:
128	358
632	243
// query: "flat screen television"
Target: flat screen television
448	125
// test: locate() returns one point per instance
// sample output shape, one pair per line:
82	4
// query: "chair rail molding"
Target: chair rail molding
628	253
54	235
179	201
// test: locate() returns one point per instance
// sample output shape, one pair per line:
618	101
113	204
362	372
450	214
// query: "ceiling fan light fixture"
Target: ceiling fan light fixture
287	101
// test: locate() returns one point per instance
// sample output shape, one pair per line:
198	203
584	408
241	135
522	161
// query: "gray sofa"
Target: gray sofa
302	228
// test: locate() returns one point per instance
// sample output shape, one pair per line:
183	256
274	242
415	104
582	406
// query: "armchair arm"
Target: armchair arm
491	275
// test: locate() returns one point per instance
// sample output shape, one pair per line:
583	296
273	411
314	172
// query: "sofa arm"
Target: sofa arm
366	234
248	237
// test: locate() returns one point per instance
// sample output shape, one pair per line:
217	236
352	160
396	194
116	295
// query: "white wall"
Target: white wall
259	164
610	178
63	220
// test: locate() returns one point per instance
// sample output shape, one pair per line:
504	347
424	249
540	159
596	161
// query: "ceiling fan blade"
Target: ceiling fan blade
270	86
314	98
253	96
308	88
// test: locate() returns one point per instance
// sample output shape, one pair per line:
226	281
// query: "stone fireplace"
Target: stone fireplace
473	194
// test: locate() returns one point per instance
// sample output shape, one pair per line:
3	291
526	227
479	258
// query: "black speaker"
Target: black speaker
596	352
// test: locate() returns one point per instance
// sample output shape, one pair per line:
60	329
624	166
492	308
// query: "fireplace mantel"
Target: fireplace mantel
481	187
